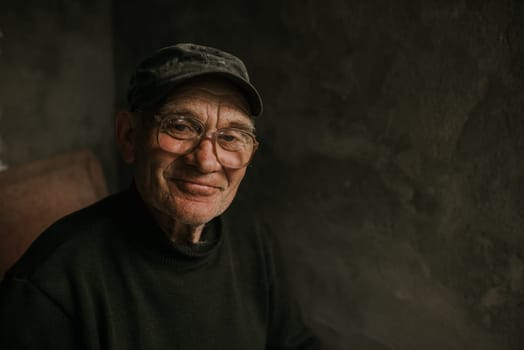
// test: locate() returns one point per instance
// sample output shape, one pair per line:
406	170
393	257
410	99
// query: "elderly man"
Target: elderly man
160	265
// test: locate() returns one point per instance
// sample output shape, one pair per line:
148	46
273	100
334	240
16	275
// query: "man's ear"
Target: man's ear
126	135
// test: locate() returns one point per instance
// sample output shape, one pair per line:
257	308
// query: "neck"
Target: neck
176	231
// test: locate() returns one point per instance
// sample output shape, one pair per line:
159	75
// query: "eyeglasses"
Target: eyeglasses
180	135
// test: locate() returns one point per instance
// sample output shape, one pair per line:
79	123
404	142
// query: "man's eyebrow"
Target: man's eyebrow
242	125
181	111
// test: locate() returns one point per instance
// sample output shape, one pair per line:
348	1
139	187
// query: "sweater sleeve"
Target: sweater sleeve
29	319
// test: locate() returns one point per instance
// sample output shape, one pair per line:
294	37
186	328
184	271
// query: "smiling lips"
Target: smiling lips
196	188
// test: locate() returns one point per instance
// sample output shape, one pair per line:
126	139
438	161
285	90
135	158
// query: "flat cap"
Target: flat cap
156	77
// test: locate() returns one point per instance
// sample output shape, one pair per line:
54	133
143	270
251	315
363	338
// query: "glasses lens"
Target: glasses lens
181	128
175	146
178	134
234	147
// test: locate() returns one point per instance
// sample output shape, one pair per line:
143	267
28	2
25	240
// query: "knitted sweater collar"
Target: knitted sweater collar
146	231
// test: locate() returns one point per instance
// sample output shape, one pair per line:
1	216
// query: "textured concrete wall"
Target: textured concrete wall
391	159
56	80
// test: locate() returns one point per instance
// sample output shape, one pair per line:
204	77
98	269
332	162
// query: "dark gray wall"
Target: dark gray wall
391	160
56	80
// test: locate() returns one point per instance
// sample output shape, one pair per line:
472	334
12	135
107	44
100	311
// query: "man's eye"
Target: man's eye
229	138
182	128
234	140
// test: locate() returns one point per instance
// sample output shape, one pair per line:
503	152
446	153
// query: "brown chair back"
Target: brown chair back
35	195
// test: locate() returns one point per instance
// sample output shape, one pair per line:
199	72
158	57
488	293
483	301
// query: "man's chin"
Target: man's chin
199	213
192	212
192	207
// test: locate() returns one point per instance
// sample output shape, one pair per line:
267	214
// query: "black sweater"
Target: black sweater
106	277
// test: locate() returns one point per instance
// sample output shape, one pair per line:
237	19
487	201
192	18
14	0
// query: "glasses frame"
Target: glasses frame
161	120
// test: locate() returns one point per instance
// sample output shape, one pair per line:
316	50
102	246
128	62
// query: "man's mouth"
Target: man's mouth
196	188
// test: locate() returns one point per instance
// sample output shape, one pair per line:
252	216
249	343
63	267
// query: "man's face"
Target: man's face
193	188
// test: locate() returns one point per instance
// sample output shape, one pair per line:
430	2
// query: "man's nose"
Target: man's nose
204	157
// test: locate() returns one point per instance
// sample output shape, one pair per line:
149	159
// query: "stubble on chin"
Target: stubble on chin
170	214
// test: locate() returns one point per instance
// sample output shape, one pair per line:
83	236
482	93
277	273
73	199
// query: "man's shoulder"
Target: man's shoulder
240	222
73	235
249	230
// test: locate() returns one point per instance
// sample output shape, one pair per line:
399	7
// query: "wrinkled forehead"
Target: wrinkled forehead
208	91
